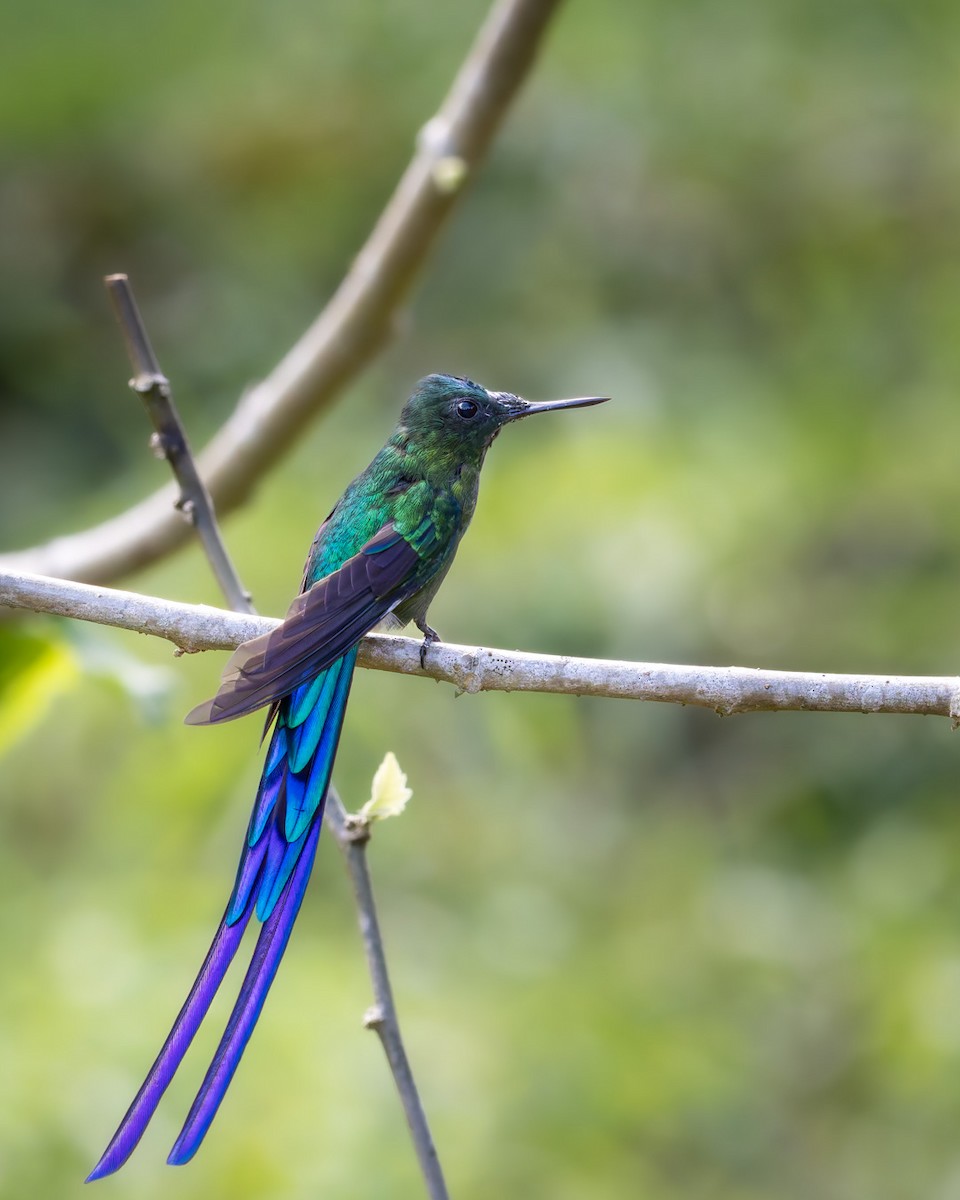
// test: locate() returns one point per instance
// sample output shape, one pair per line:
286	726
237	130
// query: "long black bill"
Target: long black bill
523	408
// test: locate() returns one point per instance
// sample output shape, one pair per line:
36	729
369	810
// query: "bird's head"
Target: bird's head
446	412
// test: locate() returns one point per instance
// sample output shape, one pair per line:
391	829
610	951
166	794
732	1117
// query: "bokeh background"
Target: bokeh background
638	950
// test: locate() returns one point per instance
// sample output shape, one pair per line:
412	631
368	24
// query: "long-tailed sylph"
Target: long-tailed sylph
384	549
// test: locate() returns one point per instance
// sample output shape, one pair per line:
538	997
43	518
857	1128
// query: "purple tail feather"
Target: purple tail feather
215	965
272	877
263	967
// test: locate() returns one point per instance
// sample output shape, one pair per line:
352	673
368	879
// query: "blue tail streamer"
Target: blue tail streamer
272	877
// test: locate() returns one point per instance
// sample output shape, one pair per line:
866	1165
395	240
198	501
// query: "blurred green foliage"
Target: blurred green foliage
639	951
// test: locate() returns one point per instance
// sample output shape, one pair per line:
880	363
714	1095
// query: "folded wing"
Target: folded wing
321	625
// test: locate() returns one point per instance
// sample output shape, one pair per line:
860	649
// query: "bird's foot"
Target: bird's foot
429	636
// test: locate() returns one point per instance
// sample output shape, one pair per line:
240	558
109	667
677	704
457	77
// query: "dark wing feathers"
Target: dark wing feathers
321	625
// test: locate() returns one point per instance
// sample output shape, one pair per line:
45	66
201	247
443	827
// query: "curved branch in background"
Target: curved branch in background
354	324
727	690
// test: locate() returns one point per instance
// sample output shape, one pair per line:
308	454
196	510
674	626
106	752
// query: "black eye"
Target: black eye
467	409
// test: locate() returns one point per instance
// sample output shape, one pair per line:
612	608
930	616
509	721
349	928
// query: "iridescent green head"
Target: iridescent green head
447	410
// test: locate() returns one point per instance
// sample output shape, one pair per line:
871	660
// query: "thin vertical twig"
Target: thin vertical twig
353	836
169	440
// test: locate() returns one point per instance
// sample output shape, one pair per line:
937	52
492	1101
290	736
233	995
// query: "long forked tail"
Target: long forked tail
272	877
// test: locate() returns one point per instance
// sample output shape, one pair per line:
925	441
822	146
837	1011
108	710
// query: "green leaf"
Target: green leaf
34	670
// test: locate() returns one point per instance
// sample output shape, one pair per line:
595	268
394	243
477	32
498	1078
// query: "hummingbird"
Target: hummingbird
382	553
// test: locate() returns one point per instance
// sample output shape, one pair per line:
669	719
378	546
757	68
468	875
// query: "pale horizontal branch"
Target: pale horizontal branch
727	690
355	323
